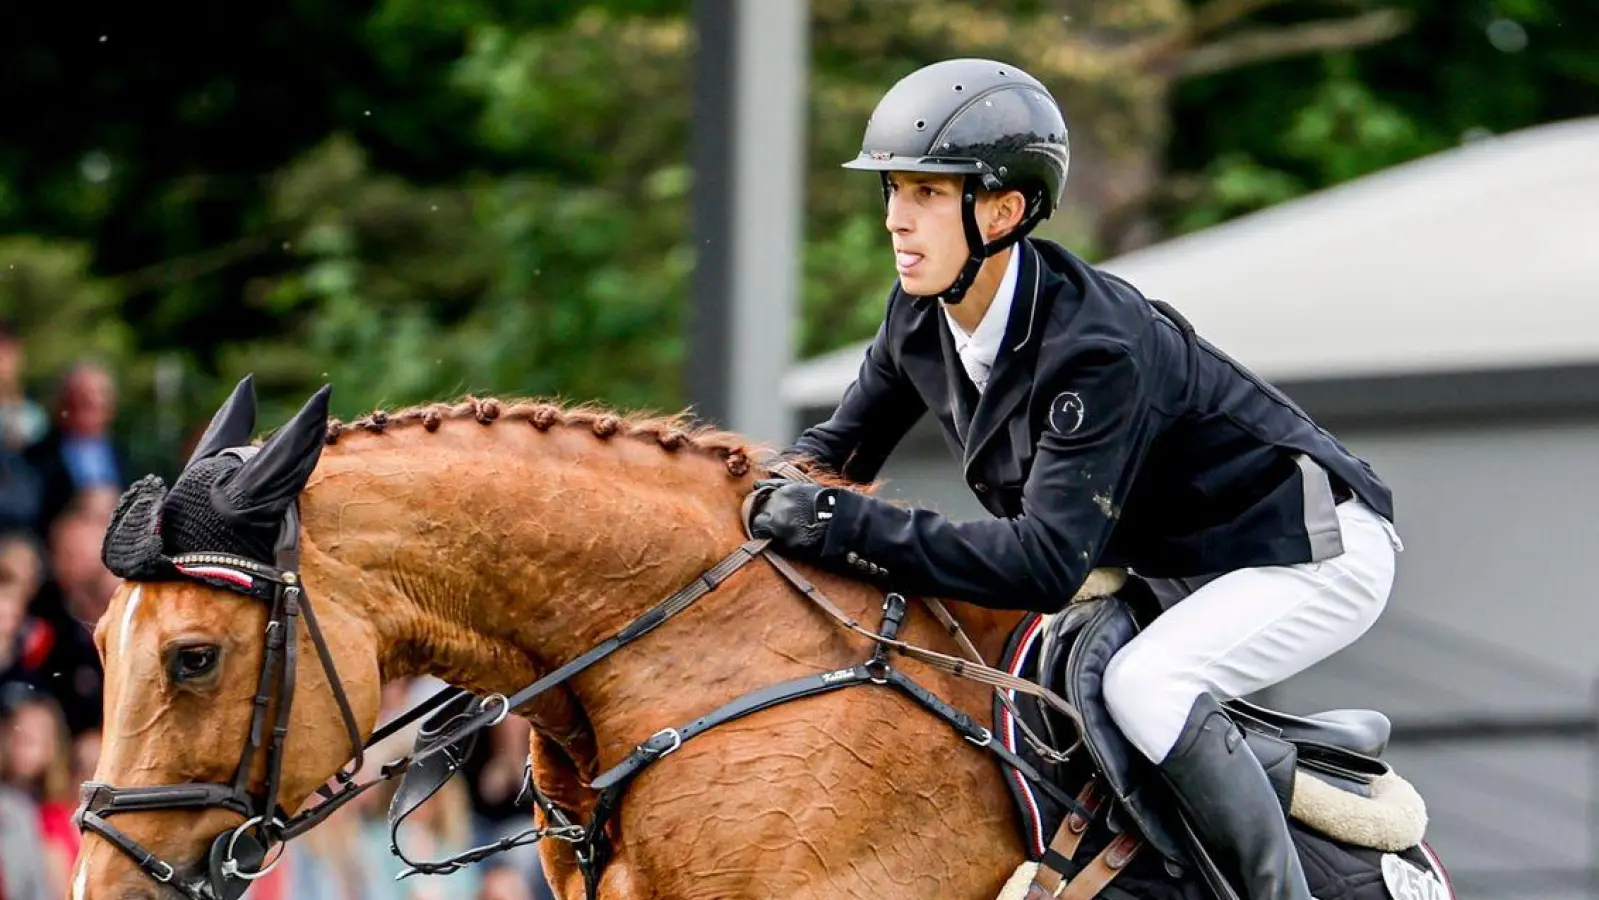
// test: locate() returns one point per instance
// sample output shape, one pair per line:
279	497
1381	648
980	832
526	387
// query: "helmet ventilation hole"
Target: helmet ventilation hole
921	124
959	88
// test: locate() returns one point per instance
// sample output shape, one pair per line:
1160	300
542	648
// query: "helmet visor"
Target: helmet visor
932	165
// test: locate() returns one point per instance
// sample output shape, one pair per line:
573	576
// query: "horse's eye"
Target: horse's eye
190	663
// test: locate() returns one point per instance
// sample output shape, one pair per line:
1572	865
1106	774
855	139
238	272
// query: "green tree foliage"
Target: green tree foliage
1462	71
417	200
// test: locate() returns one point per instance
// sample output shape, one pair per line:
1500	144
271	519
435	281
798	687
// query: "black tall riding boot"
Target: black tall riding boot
1225	794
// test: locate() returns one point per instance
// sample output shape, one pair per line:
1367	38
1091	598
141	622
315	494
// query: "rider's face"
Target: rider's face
924	217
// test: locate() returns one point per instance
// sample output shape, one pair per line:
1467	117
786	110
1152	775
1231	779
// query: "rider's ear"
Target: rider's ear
261	490
232	426
1005	212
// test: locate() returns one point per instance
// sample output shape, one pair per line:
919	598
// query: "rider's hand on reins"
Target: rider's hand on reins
793	515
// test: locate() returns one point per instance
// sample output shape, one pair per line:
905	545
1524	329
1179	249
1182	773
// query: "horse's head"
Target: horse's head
208	748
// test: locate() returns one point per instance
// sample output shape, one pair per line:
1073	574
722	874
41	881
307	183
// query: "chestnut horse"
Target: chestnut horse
486	543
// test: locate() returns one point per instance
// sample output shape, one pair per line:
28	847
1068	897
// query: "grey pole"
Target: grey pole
749	160
711	156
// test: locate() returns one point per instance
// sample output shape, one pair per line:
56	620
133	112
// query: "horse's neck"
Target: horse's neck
488	557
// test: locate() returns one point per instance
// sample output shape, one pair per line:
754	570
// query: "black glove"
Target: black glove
794	515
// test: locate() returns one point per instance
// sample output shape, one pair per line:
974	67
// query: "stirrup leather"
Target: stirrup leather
1059	878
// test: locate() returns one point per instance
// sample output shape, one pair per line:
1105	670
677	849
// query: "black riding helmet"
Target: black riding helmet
988	121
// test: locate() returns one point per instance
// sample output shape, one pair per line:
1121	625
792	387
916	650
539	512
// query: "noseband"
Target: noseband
238	857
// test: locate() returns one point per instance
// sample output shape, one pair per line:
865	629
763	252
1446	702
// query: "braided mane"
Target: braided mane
671	433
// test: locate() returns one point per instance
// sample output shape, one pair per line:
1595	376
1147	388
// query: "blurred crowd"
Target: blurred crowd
61	473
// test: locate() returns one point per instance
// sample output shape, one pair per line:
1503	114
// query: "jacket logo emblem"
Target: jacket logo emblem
1066	412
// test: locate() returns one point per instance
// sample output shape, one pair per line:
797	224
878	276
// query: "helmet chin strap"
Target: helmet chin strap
977	250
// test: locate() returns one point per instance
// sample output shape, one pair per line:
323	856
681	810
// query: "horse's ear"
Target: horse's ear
260	490
232	426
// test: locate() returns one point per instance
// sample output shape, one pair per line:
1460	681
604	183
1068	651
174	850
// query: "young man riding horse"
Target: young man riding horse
1099	431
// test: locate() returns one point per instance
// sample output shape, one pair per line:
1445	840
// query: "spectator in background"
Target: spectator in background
22	424
24	639
24	861
78	453
70	604
23	872
22	421
80	578
21	491
37	761
14	598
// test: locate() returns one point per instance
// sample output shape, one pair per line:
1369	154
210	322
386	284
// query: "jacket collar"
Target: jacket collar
1010	381
984	342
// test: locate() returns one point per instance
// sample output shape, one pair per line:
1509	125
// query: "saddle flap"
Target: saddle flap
1362	731
1054	652
1132	778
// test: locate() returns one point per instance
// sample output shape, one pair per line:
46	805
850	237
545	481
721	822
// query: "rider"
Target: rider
1098	431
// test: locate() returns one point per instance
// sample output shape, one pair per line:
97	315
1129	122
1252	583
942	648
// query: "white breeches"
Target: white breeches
1248	630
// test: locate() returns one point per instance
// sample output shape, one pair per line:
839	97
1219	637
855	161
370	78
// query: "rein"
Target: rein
456	717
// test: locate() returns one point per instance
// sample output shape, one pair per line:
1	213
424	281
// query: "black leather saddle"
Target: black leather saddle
1343	747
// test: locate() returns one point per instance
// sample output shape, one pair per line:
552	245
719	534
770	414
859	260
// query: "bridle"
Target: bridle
456	717
236	857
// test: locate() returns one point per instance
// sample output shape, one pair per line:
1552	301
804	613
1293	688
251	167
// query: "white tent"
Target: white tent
1482	257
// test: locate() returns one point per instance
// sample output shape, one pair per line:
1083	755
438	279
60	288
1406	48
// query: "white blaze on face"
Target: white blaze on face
80	881
127	620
